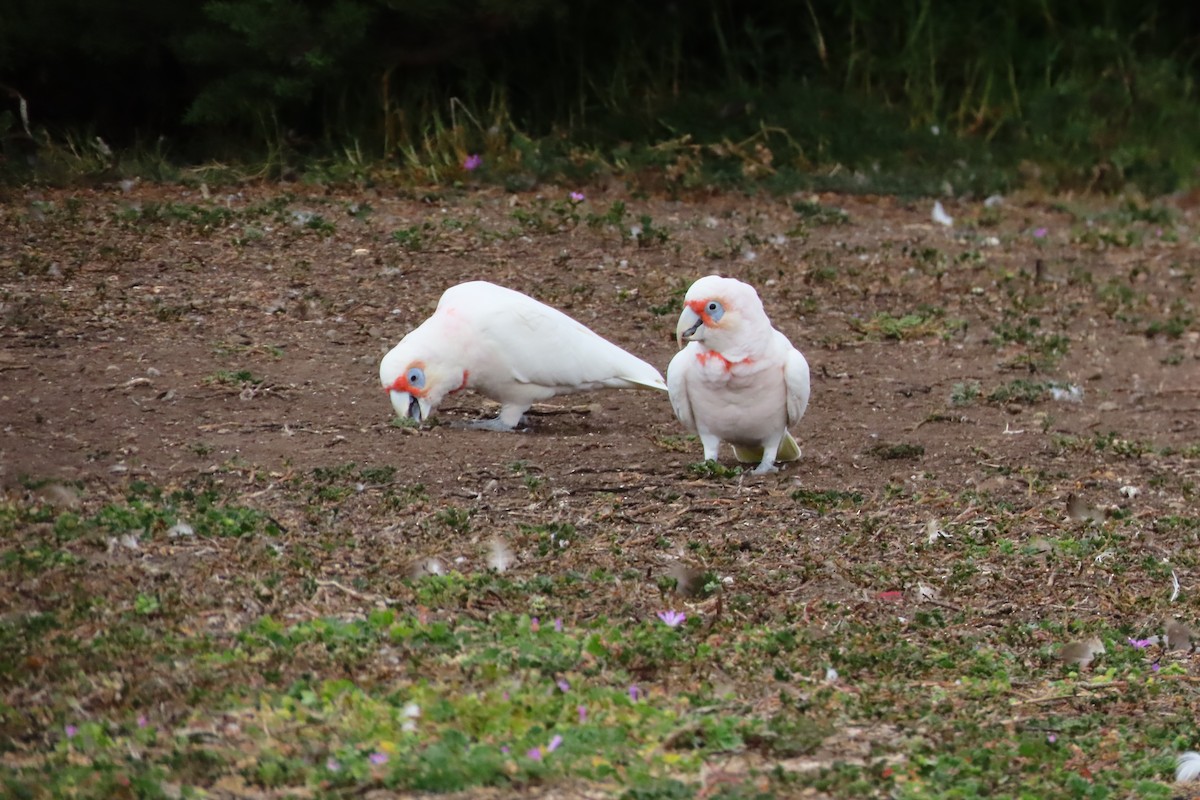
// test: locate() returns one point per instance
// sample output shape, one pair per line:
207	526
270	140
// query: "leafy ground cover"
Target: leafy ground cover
226	573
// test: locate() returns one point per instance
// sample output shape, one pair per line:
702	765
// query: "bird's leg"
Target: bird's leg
508	420
712	446
768	460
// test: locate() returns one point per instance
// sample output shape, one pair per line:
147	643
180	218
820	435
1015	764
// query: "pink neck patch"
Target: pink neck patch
706	356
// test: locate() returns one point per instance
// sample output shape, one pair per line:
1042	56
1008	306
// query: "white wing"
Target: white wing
795	376
677	386
545	347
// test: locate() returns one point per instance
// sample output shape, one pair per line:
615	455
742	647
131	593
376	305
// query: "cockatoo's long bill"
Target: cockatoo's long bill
410	409
689	323
406	399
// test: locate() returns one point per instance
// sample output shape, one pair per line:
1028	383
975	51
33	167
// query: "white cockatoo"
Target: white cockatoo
738	380
508	347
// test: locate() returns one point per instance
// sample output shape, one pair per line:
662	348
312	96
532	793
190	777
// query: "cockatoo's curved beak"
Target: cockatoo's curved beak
409	406
689	326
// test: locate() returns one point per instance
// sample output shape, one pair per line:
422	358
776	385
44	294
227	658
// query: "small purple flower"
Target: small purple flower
142	721
378	758
577	197
582	714
672	618
1155	667
554	744
563	685
70	730
535	754
1051	738
332	764
634	692
473	162
1141	644
505	749
534	625
558	624
1039	233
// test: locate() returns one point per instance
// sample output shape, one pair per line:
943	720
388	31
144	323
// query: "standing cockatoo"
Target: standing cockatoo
508	347
738	380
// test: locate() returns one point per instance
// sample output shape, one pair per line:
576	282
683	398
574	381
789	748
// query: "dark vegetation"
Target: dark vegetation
866	95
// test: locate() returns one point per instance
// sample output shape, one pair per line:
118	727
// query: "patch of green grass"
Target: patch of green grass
672	306
335	483
964	393
1116	295
267	664
676	443
457	520
614	216
1113	443
411	238
1172	328
32	560
235	378
646	233
921	324
1042	349
816	213
205	217
315	222
713	469
1020	391
898	451
823	501
549	537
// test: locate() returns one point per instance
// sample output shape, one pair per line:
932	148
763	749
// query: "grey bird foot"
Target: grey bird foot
495	424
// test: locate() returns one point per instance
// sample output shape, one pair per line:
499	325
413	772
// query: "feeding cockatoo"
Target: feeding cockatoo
738	380
508	347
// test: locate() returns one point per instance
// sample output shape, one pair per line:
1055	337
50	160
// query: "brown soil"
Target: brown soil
116	330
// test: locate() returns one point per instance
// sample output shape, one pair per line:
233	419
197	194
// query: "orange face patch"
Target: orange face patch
402	383
701	309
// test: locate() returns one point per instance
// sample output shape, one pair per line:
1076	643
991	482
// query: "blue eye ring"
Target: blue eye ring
415	377
714	310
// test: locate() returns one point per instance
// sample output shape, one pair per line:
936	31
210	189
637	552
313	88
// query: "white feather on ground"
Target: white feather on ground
500	555
1187	767
940	216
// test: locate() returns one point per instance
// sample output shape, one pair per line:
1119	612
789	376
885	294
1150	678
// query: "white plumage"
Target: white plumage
1187	767
738	380
508	347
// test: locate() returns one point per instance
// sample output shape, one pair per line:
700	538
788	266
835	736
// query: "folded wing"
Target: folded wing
547	348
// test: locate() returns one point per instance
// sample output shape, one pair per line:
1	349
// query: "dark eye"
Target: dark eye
416	378
715	311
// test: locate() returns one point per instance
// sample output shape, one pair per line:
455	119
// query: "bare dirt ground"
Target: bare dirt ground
1035	350
115	333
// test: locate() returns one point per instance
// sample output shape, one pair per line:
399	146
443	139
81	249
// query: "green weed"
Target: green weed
814	212
411	238
713	469
900	451
823	501
236	378
921	324
964	393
